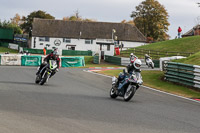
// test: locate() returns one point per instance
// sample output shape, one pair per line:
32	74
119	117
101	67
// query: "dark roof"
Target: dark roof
191	31
89	30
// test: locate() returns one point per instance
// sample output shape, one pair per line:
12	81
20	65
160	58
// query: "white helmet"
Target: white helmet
131	54
137	64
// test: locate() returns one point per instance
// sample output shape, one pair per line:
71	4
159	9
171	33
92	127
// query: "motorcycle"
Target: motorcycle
149	62
128	84
46	72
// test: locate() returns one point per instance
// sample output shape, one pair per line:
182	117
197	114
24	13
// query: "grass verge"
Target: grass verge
153	79
3	50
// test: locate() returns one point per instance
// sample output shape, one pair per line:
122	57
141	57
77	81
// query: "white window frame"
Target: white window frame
67	40
44	39
88	41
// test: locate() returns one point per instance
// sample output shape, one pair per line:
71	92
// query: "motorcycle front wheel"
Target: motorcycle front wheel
113	93
38	78
44	79
152	65
130	91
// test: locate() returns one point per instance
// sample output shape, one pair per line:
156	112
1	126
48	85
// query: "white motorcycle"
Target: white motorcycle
149	62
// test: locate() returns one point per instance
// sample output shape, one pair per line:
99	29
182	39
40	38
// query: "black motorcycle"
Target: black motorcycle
128	84
46	72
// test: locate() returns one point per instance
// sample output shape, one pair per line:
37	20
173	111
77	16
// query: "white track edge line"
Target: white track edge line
148	87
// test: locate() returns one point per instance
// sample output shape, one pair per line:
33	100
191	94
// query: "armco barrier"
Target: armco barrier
72	61
9	59
183	74
27	60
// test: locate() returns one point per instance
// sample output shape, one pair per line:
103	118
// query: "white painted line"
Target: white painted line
148	87
170	94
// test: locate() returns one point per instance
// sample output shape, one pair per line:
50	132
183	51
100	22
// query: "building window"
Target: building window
41	43
88	41
67	40
71	48
108	47
44	39
48	45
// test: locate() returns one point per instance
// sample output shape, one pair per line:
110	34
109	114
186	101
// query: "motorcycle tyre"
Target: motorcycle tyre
44	79
133	90
152	65
38	78
112	93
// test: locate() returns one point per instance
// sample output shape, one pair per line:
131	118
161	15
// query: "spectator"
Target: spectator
179	32
44	50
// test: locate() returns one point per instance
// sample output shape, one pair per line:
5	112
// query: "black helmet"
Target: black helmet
55	52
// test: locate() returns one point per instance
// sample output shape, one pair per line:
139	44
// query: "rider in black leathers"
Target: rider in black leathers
52	56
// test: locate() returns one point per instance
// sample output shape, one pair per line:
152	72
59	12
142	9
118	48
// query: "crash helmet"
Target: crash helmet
55	53
137	64
131	54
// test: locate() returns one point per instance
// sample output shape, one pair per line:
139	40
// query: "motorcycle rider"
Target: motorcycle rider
54	55
132	57
133	67
146	57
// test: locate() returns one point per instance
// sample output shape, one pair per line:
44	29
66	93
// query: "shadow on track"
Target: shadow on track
11	82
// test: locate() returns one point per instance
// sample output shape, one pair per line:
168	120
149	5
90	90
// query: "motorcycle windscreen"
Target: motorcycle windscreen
52	64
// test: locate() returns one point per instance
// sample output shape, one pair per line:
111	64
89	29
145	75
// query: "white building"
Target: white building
84	36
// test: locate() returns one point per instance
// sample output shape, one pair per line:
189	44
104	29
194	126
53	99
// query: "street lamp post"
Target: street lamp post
113	33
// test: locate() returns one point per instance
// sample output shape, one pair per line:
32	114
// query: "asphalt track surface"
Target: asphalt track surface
74	101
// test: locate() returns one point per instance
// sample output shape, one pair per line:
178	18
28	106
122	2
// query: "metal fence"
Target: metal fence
154	54
183	74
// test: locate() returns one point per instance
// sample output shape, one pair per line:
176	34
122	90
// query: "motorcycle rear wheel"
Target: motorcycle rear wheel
113	93
129	93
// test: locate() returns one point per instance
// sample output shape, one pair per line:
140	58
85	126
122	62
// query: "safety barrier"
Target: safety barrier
96	59
72	61
125	61
36	51
27	60
30	60
9	59
113	59
183	74
4	44
76	53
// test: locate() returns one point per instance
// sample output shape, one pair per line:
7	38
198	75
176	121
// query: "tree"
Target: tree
77	17
151	18
10	25
16	19
27	25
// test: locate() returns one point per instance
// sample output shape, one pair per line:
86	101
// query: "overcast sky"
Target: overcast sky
184	13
